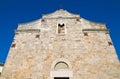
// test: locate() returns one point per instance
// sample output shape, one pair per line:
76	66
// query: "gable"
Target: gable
61	13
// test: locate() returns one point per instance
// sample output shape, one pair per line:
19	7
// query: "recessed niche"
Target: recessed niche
77	19
110	43
13	45
42	20
61	28
85	34
37	36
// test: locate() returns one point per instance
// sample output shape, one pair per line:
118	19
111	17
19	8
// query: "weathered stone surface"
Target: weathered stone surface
36	53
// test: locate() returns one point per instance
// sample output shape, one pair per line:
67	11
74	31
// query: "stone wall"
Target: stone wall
85	46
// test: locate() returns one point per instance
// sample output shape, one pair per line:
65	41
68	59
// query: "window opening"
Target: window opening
61	28
61	77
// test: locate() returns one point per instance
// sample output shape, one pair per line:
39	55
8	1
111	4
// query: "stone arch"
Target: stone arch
61	65
61	27
61	68
61	60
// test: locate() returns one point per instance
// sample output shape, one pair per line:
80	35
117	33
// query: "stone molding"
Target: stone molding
59	60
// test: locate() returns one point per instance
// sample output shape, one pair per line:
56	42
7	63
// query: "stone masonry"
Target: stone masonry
61	45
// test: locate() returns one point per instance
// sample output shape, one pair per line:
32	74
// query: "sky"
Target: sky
14	12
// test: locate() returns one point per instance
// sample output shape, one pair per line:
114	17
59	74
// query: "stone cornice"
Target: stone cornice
104	30
27	30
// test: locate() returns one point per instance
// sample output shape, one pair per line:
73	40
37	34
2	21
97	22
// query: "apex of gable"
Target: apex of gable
61	13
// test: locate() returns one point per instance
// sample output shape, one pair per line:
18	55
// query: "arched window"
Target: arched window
61	28
61	66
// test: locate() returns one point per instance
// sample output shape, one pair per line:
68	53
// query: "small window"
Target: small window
61	28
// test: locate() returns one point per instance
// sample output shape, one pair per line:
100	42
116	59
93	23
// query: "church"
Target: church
61	45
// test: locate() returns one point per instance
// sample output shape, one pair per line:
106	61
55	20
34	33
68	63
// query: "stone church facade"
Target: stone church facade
61	45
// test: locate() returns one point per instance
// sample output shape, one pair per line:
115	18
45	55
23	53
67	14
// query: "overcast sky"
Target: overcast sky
13	12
